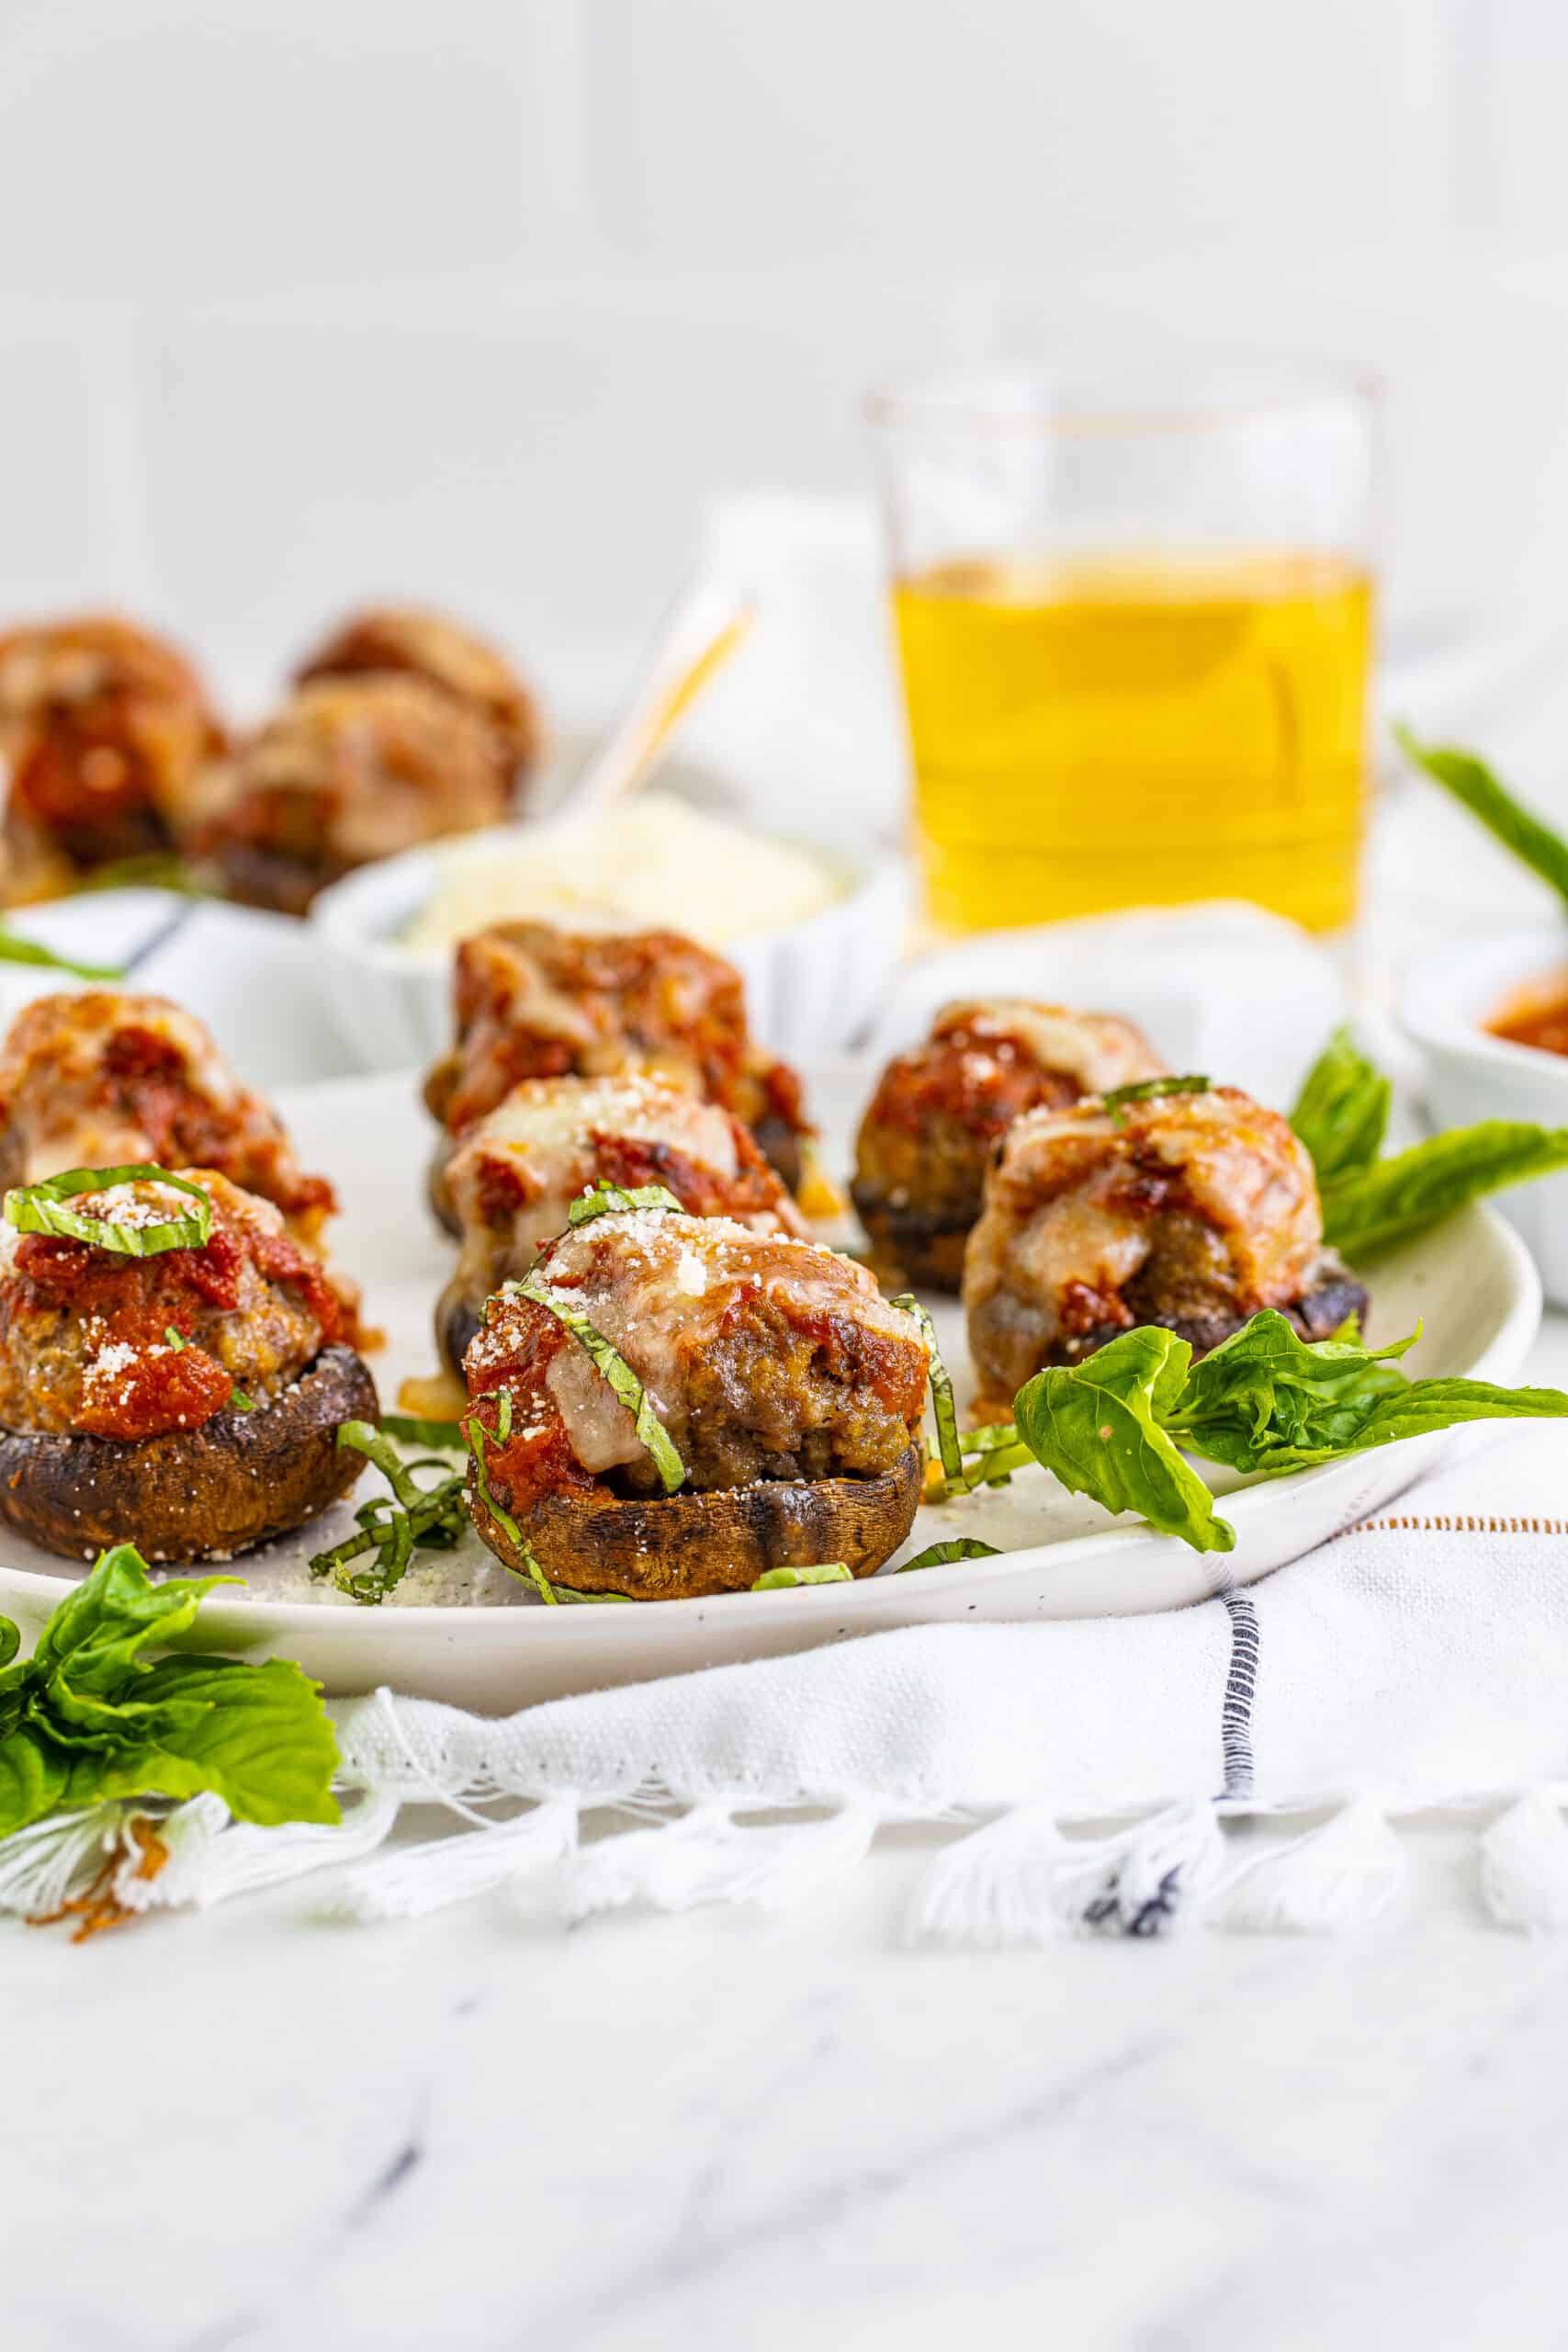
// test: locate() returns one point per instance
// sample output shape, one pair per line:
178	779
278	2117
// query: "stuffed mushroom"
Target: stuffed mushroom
103	1077
455	660
933	1123
532	1001
514	1178
174	1368
774	1412
350	769
1192	1210
103	730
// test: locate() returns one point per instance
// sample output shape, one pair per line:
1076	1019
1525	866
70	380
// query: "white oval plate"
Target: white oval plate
462	1629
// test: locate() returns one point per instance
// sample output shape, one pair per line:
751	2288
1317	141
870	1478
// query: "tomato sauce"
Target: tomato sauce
1536	1017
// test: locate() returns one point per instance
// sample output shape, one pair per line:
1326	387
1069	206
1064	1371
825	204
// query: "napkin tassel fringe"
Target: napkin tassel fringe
1524	1866
46	1864
207	1856
1333	1878
706	1856
1021	1881
415	1880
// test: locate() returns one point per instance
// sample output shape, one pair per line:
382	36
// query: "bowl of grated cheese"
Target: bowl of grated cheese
816	933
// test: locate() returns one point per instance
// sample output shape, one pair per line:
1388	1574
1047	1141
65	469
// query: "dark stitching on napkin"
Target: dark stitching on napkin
1241	1685
169	929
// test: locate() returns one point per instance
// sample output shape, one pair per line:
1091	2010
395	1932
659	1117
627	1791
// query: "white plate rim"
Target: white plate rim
237	1622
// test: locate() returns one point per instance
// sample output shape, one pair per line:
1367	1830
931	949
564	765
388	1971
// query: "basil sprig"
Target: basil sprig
85	1718
1265	1401
1473	784
1371	1204
650	1429
1341	1113
42	1208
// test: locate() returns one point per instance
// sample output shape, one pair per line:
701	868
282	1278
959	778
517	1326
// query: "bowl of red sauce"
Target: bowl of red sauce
1490	1018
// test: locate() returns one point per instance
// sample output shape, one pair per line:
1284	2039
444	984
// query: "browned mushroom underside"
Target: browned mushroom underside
684	1546
193	1494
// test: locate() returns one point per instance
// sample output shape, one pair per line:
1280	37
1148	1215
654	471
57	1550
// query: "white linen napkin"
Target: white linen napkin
1110	1773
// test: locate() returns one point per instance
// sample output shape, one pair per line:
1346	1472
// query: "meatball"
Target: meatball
350	769
763	1357
103	728
931	1128
186	1401
535	1001
95	1341
104	1079
516	1174
427	645
1193	1211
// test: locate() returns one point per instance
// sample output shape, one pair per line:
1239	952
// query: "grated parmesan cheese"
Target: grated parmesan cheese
653	860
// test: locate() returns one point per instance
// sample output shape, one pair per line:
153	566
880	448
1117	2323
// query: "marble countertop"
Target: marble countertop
248	2127
662	2132
786	2134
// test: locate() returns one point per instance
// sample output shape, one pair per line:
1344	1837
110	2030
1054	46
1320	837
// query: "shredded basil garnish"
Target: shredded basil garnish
528	1566
393	1527
41	1208
940	1555
943	1406
821	1572
650	1429
991	1455
409	1429
1150	1089
13	949
604	1199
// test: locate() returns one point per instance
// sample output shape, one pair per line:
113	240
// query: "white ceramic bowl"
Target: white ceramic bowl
812	986
1471	1075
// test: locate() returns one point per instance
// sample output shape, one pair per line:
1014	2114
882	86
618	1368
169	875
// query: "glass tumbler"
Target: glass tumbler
1135	628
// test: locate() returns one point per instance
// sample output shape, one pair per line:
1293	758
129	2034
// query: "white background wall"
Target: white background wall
480	299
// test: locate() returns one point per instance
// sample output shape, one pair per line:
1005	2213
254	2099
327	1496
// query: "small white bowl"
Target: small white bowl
810	986
1471	1075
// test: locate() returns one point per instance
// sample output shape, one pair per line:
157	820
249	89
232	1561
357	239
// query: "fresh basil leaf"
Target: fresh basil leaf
85	1719
1269	1402
1265	1389
1376	1207
1097	1426
257	1736
98	1629
1341	1113
1474	785
34	1776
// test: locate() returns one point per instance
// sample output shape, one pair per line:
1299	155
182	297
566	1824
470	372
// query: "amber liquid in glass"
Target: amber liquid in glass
1109	734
